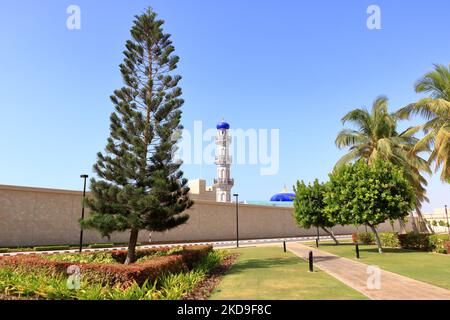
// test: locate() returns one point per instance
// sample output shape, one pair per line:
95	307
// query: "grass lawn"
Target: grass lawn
428	267
269	273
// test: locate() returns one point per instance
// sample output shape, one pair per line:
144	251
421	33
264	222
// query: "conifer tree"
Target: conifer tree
140	185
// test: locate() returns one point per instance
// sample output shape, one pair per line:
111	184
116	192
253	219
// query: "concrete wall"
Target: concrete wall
36	216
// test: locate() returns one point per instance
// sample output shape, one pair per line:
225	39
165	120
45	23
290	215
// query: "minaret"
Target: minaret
223	182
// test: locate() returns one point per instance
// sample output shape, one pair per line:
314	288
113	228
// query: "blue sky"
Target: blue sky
297	66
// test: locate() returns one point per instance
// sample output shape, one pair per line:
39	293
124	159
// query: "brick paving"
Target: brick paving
355	274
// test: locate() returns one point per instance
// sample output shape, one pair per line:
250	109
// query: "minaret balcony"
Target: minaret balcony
223	140
224	181
223	160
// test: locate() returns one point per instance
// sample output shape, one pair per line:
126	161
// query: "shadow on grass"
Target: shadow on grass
389	250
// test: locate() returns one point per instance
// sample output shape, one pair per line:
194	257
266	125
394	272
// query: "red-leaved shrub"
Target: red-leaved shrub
113	274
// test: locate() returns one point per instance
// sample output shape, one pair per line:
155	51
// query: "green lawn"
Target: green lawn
269	273
428	267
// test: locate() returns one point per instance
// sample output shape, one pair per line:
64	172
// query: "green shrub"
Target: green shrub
414	241
366	238
51	248
434	223
95	257
160	253
436	242
4	250
441	223
101	245
389	239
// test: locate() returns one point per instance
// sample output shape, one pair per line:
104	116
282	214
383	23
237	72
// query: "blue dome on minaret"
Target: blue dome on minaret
223	125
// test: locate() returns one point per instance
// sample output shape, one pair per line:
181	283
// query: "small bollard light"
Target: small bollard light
357	250
284	246
311	267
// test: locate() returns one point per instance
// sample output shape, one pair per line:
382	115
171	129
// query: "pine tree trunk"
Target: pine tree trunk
131	254
331	235
377	238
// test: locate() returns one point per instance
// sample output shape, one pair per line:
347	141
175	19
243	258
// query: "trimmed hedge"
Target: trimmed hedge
415	241
101	245
112	274
51	248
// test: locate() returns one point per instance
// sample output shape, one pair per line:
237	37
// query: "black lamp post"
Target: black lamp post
317	238
83	176
237	218
446	215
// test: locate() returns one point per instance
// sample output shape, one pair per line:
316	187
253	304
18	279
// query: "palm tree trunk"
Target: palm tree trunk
413	222
422	223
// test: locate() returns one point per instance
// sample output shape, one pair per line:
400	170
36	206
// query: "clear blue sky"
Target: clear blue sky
294	65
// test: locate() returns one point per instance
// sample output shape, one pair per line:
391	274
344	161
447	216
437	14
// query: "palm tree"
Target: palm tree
436	110
376	137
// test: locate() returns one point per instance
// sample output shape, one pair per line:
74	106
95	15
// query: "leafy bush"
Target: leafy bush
389	239
414	241
160	253
446	246
434	223
436	242
95	257
366	238
442	223
121	255
51	248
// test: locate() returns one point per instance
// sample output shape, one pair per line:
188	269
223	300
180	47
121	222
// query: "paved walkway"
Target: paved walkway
355	275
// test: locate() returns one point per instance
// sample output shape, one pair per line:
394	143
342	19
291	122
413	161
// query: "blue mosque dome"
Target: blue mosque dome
284	196
223	125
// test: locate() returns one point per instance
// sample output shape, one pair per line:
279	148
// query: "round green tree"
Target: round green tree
309	207
361	194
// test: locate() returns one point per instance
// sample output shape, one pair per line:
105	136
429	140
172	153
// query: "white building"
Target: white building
223	181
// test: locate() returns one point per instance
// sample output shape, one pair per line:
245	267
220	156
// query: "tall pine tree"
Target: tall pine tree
140	185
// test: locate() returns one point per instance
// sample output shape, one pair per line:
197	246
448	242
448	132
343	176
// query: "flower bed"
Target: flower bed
115	273
19	283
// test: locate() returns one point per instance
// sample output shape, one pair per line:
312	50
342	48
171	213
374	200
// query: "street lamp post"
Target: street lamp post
446	215
83	176
237	219
317	238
